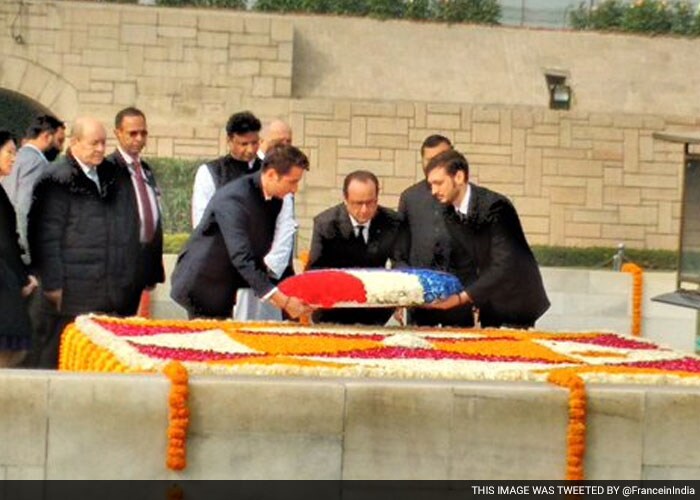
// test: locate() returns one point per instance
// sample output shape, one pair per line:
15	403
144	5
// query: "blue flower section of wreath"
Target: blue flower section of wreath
437	285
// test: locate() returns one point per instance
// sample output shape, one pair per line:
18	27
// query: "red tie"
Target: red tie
141	190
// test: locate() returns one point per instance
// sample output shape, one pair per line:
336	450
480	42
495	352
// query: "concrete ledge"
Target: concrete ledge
72	426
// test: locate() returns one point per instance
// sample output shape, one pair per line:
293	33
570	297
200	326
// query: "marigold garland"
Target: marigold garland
576	433
178	415
637	290
145	305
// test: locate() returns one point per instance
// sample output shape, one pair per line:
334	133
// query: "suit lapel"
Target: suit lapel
344	223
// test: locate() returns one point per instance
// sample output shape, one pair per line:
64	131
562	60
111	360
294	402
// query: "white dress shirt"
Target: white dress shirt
463	208
355	225
203	191
90	173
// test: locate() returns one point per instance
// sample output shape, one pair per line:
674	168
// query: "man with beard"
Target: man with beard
425	242
44	142
496	266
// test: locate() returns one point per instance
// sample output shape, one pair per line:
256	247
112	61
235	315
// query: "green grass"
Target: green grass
601	257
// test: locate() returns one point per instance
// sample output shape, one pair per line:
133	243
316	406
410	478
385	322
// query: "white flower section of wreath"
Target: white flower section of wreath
408	341
624	355
393	288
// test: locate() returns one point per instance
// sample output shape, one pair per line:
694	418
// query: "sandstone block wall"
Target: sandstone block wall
357	96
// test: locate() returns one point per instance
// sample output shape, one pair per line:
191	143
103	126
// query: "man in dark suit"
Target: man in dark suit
227	248
356	233
498	270
141	192
425	241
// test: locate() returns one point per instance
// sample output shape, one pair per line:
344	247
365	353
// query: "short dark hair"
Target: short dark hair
452	161
5	137
130	111
362	176
432	141
41	124
242	123
282	158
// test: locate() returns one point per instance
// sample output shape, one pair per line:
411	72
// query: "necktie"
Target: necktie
361	234
147	220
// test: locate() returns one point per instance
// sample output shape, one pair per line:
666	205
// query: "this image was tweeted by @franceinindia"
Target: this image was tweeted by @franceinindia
585	489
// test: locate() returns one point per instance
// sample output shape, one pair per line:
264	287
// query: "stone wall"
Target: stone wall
94	426
357	96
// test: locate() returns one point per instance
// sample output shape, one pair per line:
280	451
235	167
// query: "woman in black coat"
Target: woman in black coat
15	282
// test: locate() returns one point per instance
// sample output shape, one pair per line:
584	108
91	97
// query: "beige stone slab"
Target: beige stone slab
249	428
614	433
263	455
228	407
508	431
397	431
25	473
671	473
119	420
23	422
671	431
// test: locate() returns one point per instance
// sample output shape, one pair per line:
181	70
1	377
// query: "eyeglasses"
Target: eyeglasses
360	204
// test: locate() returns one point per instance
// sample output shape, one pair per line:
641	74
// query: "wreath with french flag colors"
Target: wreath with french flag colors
329	288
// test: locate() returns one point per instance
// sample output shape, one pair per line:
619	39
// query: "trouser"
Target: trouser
54	324
37	316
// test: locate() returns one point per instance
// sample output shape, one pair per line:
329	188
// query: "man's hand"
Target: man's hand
296	308
456	300
400	315
55	297
31	285
293	306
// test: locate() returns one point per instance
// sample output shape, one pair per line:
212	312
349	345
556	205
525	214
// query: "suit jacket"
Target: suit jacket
333	245
424	240
152	252
226	250
506	284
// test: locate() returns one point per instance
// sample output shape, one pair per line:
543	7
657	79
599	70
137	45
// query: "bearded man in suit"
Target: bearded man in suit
499	272
426	243
357	233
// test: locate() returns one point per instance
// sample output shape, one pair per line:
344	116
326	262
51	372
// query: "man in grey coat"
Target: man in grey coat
44	141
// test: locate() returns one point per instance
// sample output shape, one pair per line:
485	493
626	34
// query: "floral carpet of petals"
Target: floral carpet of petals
182	348
266	348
